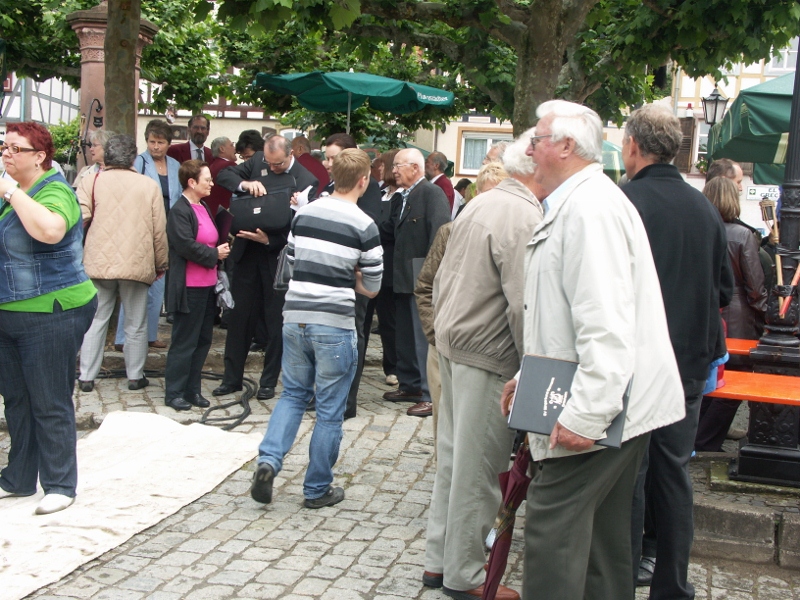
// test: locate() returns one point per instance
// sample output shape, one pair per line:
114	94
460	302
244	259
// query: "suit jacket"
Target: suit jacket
144	164
219	195
447	187
182	153
690	250
413	231
316	169
256	169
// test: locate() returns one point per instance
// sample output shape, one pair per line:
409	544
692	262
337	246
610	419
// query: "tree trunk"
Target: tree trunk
120	59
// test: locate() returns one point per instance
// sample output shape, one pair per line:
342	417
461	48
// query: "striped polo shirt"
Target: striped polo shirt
329	239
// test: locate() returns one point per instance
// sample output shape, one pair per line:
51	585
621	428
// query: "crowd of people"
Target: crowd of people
543	254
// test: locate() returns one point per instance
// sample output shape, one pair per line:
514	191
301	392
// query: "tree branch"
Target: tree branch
427	12
24	64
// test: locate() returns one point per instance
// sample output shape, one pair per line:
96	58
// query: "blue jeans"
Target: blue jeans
37	374
313	356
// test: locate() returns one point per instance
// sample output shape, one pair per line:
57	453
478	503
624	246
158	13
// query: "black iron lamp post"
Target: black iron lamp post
772	452
714	107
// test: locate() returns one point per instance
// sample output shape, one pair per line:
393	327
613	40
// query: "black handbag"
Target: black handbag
270	213
284	271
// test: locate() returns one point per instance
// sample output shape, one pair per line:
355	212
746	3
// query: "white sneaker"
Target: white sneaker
391	380
53	503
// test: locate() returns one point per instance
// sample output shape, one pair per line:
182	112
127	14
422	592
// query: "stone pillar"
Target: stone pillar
90	27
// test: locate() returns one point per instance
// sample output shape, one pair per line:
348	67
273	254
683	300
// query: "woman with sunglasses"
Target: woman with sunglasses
46	305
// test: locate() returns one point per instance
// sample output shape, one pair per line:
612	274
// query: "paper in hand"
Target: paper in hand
302	198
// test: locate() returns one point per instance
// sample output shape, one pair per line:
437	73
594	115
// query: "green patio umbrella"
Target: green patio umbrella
612	161
756	127
342	91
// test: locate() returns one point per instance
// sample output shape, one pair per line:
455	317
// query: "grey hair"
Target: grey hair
278	142
440	160
501	148
515	158
100	136
217	144
656	131
414	157
120	151
576	122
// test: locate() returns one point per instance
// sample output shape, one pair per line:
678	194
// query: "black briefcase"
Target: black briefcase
270	213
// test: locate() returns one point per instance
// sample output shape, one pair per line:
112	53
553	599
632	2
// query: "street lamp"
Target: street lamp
714	107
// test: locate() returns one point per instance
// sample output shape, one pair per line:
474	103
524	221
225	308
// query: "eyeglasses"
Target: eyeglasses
13	149
535	139
278	164
398	165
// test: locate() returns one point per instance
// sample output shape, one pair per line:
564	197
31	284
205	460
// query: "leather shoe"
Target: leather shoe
86	386
137	384
119	347
261	488
157	344
503	593
334	495
197	400
226	389
432	580
402	396
178	403
647	565
256	347
421	409
265	393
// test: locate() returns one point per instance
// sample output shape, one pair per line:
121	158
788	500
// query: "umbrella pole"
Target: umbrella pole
349	98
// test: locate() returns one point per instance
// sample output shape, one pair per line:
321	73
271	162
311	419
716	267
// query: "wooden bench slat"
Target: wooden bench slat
740	347
759	387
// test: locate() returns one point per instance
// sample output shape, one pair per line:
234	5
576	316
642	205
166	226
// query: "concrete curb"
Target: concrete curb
734	531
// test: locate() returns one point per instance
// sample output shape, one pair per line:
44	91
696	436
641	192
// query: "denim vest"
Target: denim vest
31	268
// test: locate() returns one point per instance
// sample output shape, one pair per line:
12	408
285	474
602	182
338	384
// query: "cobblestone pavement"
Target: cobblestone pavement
371	546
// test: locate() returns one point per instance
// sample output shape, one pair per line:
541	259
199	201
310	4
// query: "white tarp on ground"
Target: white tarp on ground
134	471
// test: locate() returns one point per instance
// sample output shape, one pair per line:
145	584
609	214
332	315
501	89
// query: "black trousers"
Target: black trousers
253	294
664	489
384	307
716	416
408	371
192	334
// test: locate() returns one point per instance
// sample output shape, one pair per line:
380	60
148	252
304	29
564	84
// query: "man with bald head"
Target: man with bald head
435	166
301	148
412	227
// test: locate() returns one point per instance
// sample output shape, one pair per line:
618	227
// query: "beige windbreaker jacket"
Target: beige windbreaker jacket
592	295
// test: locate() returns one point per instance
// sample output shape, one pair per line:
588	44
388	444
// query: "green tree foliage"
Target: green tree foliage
65	139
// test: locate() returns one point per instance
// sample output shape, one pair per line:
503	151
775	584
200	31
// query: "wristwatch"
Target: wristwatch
10	192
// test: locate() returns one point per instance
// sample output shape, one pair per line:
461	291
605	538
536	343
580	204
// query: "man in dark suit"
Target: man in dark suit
255	255
413	225
435	166
199	128
224	157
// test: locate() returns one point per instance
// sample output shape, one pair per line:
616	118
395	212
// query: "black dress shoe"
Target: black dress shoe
647	565
177	403
197	400
86	386
226	389
137	384
265	393
256	347
402	396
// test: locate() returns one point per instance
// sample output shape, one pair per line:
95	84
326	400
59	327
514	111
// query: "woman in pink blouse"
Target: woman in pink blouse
194	251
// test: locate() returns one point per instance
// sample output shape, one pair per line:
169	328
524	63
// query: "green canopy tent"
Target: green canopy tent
756	128
342	91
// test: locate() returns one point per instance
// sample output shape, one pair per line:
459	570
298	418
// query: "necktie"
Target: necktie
199	153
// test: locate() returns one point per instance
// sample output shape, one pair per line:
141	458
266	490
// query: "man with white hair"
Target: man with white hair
412	227
478	325
591	296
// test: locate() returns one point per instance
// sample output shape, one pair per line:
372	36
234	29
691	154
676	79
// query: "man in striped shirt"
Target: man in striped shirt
335	251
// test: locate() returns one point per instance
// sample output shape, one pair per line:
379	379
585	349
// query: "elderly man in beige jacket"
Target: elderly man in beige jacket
125	251
478	329
592	295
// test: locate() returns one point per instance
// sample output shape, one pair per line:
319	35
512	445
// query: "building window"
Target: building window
474	145
785	62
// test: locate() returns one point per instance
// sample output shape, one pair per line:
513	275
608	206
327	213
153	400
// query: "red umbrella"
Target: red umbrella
514	484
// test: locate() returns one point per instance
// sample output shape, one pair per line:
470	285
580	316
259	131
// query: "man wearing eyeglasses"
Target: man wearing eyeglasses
255	256
412	227
199	128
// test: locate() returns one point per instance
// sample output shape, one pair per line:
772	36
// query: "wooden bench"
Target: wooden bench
739	347
759	387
